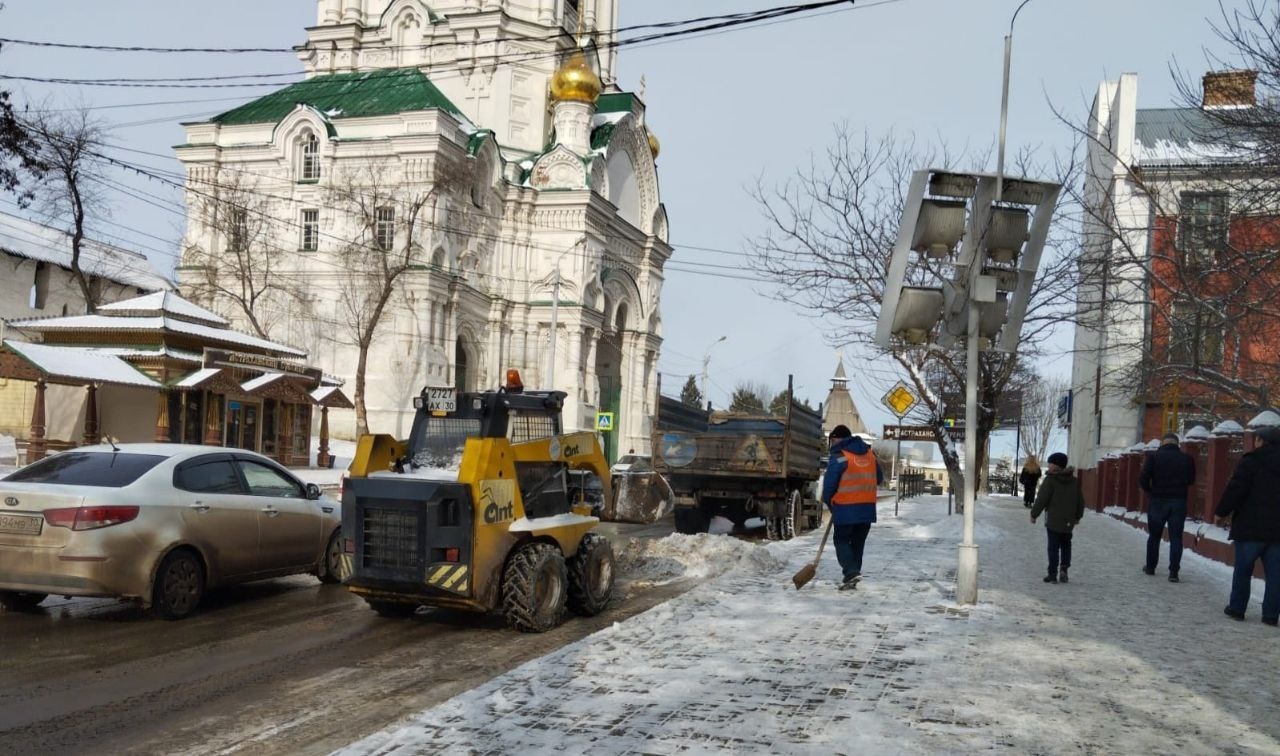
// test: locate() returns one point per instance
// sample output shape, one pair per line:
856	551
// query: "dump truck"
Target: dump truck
477	510
741	466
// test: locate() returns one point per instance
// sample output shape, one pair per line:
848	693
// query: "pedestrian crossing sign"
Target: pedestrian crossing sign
604	421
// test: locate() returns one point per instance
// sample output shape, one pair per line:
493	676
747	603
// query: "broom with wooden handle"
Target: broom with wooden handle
807	572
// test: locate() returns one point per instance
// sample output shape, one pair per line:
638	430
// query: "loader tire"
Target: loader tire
591	576
534	588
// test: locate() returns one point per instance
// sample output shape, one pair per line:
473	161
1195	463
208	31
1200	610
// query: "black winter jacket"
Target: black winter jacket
1061	499
1167	473
1252	497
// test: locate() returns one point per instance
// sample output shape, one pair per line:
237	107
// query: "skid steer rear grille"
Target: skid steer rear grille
391	539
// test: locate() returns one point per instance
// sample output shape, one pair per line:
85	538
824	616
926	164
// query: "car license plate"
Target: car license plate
20	524
442	400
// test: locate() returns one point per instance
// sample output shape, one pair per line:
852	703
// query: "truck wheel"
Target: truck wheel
789	522
533	588
391	608
691	520
591	576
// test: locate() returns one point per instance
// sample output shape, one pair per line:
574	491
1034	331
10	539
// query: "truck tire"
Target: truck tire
533	588
591	575
691	520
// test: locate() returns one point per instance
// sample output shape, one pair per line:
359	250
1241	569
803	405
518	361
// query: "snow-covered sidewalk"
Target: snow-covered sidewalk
1114	662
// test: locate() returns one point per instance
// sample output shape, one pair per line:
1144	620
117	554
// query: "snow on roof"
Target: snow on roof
81	364
262	380
198	377
1182	136
152	324
167	303
35	241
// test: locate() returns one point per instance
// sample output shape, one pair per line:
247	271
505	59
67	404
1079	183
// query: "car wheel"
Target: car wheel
591	575
179	585
391	608
332	567
533	588
21	601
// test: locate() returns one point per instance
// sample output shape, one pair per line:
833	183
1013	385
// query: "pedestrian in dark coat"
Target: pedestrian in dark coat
1166	475
1252	500
1029	478
1062	501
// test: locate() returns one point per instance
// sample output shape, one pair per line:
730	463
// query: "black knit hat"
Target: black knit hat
1059	459
840	431
1268	433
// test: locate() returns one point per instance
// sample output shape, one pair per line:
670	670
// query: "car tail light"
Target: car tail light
90	518
451	554
349	545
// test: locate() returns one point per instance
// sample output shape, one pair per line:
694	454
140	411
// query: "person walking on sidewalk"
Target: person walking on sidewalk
1029	477
1252	499
1062	501
1166	475
849	491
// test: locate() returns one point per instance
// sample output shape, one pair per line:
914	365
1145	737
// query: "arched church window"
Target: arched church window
309	158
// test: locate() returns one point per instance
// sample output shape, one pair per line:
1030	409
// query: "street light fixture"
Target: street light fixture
984	300
706	360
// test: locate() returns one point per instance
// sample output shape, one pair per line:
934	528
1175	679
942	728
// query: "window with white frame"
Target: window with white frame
310	241
1203	225
384	228
309	158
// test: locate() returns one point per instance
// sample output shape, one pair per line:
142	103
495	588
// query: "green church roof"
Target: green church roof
347	95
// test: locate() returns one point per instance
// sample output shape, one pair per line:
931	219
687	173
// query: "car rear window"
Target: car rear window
72	468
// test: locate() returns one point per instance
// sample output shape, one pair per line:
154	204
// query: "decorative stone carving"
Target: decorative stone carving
559	169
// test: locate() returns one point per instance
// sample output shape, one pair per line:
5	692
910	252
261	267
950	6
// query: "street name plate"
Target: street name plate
917	433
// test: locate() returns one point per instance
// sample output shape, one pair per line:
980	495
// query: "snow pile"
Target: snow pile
678	557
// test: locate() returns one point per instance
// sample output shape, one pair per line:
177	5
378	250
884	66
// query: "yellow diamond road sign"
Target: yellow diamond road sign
604	421
900	399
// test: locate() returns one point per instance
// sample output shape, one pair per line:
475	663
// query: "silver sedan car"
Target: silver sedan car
159	524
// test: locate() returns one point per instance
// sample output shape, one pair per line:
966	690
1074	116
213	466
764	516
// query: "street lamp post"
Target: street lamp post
706	360
992	249
555	312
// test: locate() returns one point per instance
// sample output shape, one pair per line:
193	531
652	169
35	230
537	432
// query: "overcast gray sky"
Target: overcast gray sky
727	108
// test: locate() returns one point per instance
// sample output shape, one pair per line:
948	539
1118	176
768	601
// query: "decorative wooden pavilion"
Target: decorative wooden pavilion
161	368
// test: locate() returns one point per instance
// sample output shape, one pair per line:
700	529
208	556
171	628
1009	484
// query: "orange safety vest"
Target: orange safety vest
858	483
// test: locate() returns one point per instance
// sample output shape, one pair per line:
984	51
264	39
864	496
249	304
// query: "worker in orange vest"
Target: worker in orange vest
849	491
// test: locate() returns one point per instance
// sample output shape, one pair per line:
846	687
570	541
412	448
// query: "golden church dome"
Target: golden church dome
575	81
654	145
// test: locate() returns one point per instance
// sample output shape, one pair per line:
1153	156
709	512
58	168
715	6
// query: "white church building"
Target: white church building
451	181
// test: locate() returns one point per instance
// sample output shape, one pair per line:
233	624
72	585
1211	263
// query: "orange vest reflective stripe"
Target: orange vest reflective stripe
858	484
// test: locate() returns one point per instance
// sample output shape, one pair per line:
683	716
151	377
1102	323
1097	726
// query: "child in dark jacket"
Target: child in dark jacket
1062	501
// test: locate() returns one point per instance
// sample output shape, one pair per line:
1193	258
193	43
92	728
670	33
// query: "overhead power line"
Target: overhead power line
707	25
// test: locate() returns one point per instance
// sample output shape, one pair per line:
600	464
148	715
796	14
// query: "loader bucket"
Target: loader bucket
643	497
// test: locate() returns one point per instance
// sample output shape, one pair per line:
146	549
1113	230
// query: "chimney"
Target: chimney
1229	89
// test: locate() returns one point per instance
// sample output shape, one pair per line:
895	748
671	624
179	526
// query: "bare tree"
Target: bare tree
69	190
1040	413
390	218
832	228
750	397
241	262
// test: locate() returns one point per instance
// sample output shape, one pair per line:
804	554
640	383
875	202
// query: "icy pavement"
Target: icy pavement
1114	662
